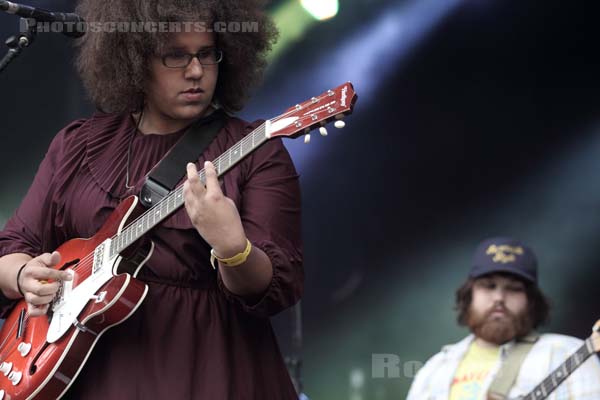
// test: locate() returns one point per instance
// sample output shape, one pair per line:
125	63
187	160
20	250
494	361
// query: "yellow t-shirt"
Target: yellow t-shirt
472	372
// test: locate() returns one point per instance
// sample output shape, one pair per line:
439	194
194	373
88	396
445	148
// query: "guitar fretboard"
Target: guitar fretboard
558	376
174	199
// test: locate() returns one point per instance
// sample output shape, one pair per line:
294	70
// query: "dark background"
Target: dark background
474	119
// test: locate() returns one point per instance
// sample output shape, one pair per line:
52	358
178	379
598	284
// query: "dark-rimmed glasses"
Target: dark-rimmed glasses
182	60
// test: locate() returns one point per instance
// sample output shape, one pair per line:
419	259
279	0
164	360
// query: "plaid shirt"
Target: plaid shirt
434	379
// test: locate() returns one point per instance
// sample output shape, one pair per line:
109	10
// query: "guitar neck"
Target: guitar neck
174	199
558	376
331	105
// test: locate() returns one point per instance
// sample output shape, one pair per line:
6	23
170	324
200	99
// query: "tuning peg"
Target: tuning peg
323	131
339	124
307	138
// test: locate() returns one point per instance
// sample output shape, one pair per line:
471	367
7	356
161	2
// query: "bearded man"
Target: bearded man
504	357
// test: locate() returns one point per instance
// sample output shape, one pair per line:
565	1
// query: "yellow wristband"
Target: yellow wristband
234	261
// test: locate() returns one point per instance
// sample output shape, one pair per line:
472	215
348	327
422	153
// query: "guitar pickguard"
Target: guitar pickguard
73	300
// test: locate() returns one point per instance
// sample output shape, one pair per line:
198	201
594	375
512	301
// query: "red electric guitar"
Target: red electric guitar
41	357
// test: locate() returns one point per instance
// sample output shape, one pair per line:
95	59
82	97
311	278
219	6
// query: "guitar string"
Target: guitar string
176	193
239	146
84	261
548	386
219	159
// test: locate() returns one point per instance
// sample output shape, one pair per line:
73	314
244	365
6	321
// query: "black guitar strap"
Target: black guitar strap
168	172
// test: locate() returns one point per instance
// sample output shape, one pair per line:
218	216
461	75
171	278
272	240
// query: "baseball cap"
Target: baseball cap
504	254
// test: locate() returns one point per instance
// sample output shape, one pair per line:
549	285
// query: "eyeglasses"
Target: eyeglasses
182	60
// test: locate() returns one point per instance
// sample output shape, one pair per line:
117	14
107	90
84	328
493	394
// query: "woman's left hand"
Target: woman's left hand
213	214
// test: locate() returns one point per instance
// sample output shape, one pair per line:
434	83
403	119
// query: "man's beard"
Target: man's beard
499	329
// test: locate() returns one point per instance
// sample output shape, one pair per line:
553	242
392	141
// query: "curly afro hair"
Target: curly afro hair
114	65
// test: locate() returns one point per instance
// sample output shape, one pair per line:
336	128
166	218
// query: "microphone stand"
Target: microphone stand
16	44
294	362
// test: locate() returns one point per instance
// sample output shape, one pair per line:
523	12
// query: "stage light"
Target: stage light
321	9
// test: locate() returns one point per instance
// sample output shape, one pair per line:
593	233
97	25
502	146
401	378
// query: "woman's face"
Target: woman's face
182	94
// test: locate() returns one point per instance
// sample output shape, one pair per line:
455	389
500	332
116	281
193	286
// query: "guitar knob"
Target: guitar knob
1	394
323	131
15	377
24	348
339	124
307	139
5	368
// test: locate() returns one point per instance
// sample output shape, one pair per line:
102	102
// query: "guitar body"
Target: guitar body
49	367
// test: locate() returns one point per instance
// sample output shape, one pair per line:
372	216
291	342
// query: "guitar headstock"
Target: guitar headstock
315	113
596	336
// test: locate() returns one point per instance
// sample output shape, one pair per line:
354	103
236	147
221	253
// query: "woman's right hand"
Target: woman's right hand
33	282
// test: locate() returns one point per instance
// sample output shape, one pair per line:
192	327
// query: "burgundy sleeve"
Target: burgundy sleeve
24	231
270	213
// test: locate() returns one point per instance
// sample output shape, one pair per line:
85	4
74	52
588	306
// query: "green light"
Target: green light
321	9
293	22
295	18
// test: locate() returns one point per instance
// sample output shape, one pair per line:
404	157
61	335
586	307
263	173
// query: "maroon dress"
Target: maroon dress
191	338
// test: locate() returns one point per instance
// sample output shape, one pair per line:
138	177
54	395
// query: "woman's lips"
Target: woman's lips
193	95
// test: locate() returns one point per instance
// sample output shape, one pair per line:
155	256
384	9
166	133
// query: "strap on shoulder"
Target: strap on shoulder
168	172
506	377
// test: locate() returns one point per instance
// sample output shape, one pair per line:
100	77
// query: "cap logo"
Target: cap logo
504	253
